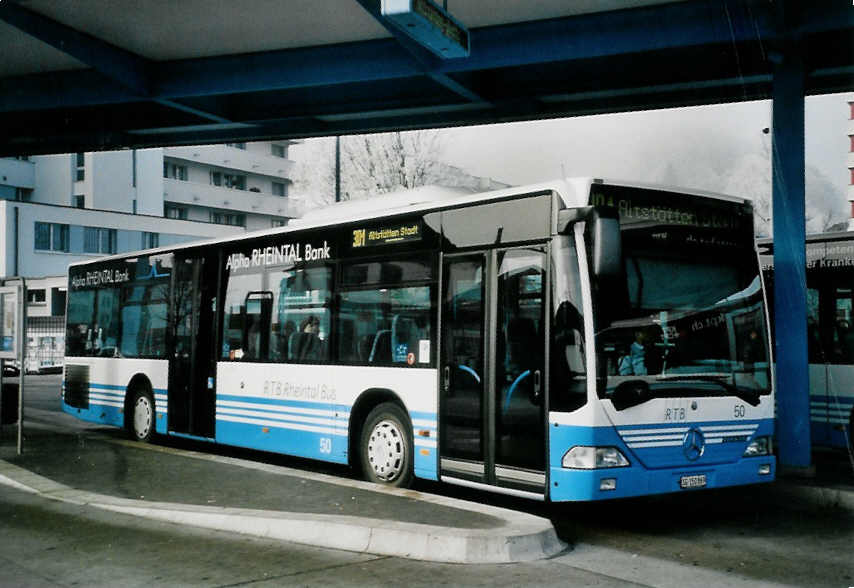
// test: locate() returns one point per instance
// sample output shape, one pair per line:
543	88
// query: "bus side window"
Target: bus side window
843	335
243	305
81	307
257	309
814	345
301	313
568	377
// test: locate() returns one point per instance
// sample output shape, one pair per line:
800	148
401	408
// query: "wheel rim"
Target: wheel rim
387	450
142	417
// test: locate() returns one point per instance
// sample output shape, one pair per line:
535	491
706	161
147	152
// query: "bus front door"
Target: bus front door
492	403
192	365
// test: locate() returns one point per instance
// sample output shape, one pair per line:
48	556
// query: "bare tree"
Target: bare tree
370	165
751	178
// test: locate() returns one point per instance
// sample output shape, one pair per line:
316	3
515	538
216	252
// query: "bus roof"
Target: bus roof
573	192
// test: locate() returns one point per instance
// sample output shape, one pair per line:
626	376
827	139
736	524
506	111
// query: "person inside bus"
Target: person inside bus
635	362
305	344
753	350
284	339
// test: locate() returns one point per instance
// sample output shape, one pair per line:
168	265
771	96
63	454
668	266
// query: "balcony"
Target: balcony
17	173
233	158
195	194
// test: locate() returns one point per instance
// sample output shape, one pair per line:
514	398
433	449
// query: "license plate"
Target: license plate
697	481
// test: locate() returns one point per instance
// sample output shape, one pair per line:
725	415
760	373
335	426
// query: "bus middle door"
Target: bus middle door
192	365
492	402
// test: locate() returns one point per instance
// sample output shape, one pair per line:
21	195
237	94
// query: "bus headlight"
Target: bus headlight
759	446
593	458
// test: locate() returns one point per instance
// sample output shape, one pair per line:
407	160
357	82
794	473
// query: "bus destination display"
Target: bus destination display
390	235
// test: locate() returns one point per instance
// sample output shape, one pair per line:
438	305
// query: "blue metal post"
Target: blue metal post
793	406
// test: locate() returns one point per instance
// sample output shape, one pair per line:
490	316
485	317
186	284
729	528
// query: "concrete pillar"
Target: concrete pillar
793	405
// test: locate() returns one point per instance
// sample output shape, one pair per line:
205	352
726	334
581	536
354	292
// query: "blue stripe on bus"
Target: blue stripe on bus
278	435
98	413
96	386
688	424
319	404
278	440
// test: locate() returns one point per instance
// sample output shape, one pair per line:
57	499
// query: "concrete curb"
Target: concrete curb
523	537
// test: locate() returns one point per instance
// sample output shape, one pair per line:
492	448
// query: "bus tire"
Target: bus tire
142	415
386	446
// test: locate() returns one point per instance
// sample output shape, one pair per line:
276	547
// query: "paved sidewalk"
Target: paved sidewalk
230	494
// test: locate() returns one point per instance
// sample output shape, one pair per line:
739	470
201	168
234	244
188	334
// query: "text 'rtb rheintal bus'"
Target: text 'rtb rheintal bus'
579	340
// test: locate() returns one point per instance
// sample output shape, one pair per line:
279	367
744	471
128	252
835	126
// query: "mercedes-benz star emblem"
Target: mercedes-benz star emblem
693	444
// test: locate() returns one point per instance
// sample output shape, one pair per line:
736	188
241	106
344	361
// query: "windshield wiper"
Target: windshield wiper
749	395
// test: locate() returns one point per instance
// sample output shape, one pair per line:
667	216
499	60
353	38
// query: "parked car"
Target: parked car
11	370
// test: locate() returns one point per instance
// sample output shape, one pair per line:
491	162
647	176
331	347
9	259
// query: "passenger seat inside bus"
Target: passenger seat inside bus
381	349
304	346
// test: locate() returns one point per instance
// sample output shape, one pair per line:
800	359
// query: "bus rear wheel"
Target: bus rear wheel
141	422
386	446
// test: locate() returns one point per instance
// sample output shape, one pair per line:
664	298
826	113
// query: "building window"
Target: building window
80	201
174	171
234	181
237	145
279	222
96	240
23	194
227	218
851	137
51	237
37	296
280	189
150	240
228	180
171	211
80	166
279	151
57	301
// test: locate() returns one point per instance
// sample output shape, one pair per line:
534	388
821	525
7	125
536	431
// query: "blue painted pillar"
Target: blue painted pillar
793	406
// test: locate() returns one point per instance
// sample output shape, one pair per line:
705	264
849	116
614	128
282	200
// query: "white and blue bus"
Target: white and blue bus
578	340
830	333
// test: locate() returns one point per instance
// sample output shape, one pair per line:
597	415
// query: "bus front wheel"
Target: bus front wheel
386	446
142	416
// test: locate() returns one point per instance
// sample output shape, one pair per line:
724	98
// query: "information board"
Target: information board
9	333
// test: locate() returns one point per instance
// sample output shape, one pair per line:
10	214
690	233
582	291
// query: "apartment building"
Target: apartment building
59	209
851	163
237	184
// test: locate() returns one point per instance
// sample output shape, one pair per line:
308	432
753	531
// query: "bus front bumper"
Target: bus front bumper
602	484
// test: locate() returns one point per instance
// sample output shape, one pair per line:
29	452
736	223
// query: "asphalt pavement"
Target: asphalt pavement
99	468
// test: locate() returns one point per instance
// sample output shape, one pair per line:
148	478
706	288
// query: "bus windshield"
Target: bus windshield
691	320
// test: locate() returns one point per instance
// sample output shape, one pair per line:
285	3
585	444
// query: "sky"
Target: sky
700	141
626	145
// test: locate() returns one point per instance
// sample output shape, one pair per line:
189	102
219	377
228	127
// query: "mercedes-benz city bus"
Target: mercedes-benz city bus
578	340
830	332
